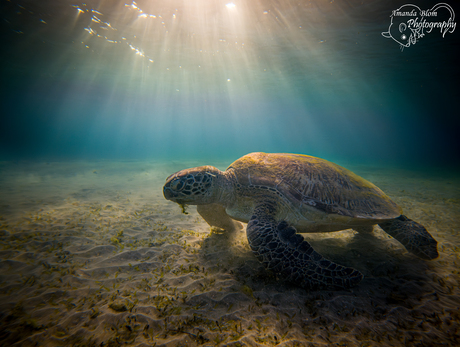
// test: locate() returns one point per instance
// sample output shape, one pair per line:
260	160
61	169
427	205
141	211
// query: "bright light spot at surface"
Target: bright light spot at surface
231	5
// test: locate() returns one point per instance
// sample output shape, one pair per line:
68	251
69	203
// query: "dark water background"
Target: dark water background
196	79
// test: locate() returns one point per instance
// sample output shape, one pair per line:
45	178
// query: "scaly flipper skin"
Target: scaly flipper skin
286	253
413	236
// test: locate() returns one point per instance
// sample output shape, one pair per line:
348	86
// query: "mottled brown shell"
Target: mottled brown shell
306	180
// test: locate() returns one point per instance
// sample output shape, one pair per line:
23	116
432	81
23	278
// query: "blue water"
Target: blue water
172	79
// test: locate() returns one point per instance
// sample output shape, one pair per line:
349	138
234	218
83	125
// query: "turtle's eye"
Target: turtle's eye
177	184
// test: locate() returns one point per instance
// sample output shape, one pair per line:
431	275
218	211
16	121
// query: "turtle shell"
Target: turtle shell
305	180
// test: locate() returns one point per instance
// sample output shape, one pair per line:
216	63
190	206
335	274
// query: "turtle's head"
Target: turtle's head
197	186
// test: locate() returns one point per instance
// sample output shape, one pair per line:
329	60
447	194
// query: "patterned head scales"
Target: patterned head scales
191	186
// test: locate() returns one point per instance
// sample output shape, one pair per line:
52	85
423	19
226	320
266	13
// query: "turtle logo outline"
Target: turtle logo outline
409	23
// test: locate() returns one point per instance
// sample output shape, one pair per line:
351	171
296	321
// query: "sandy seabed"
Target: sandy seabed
91	254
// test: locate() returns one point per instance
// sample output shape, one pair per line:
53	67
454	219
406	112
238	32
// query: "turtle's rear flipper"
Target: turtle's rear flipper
286	253
413	236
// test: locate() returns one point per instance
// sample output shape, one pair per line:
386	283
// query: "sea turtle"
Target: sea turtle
281	194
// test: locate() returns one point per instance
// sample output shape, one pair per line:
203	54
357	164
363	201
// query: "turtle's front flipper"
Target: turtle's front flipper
286	253
215	215
413	236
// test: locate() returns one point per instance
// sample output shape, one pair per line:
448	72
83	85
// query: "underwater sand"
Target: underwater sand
92	254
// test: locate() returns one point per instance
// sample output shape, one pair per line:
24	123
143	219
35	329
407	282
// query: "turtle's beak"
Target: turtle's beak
168	193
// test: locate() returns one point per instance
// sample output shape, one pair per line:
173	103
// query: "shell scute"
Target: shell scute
305	180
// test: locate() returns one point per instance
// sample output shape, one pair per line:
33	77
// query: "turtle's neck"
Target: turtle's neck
226	196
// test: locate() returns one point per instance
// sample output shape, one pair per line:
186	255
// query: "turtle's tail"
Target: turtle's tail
413	236
286	253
